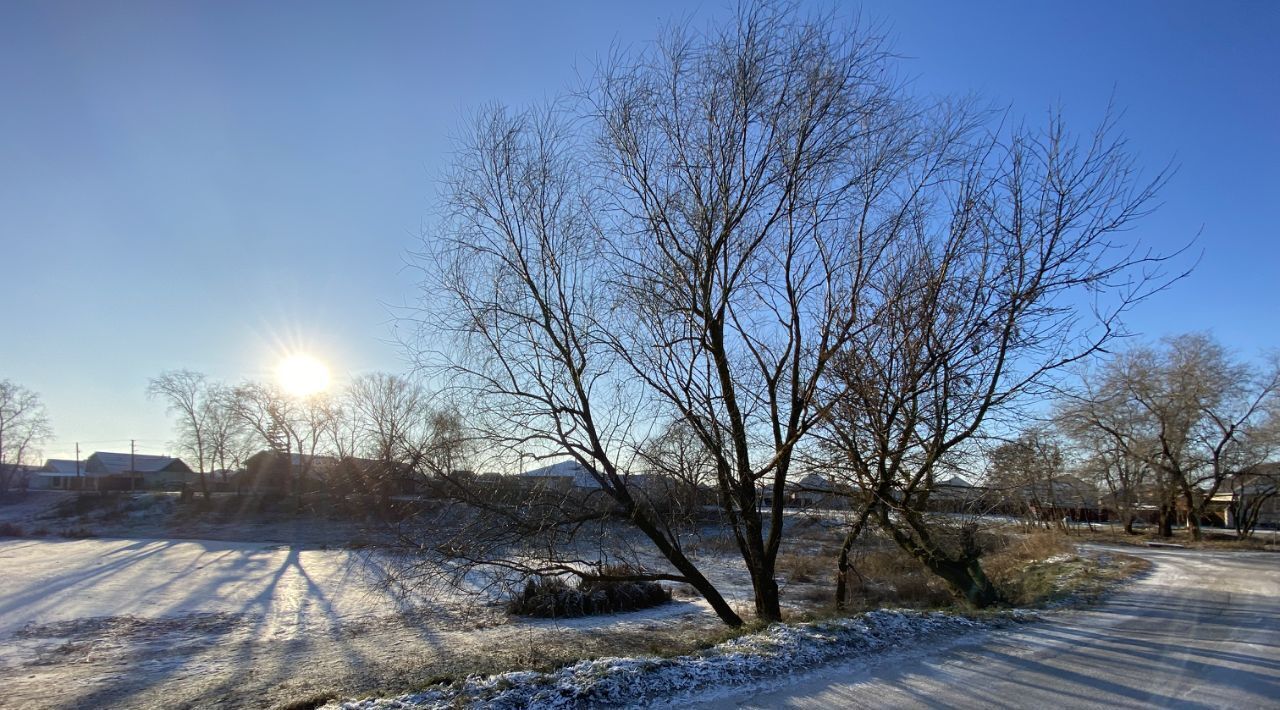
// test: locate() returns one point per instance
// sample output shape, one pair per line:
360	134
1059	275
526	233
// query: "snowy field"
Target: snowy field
161	623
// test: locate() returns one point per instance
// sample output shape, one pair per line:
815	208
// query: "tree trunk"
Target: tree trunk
966	578
842	565
963	573
1193	516
1166	520
768	601
682	563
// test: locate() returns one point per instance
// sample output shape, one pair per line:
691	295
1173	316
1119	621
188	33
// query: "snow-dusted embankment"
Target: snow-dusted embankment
777	651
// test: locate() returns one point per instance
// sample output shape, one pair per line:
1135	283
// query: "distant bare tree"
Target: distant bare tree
290	426
678	468
392	422
23	427
1251	492
1190	412
1028	471
1104	453
189	397
229	440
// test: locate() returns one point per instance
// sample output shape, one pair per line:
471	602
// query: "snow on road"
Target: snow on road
1201	631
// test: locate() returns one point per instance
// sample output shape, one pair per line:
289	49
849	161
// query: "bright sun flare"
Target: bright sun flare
302	375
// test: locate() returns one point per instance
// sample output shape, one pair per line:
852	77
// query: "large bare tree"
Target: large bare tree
24	425
696	262
1009	272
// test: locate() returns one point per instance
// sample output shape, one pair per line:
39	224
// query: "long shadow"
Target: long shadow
45	590
258	609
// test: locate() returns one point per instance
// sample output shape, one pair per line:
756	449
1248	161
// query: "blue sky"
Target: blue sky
209	185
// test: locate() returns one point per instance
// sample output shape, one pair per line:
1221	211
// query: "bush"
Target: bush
552	597
10	530
77	533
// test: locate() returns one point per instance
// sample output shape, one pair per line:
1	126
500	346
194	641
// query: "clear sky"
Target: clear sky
210	185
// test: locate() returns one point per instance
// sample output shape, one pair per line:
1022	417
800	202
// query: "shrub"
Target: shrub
799	567
77	533
10	530
547	596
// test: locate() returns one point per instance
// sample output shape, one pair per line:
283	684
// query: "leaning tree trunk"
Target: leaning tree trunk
962	572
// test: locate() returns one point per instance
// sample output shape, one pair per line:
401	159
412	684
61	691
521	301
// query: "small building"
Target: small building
815	491
58	474
1253	498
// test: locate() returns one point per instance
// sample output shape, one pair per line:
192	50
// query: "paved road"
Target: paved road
1201	631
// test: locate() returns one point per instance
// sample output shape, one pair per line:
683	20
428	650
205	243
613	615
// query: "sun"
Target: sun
302	375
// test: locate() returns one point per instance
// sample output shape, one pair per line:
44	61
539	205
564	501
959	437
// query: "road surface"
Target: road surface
1202	630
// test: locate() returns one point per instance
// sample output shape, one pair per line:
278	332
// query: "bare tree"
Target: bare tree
393	423
23	427
1028	471
1104	452
975	313
1252	491
1190	412
292	427
695	264
189	396
229	440
677	469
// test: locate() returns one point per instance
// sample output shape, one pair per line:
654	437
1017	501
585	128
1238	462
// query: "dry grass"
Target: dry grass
885	575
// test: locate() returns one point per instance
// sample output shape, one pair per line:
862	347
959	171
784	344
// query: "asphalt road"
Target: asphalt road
1202	630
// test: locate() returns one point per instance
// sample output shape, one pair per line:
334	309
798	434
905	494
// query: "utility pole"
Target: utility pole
133	467
78	479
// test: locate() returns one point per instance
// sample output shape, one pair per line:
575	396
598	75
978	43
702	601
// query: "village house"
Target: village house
110	471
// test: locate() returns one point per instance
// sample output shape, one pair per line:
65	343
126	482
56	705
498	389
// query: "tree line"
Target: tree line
382	418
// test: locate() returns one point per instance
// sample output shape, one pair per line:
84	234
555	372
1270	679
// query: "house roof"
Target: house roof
814	482
66	467
955	482
110	462
581	475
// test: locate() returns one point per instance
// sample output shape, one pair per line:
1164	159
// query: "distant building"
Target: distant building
105	470
565	475
1253	495
815	491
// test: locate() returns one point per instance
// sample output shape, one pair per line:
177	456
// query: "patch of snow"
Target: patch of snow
778	651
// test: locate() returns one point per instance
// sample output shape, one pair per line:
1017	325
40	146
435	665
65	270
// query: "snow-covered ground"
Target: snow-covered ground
192	623
751	661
